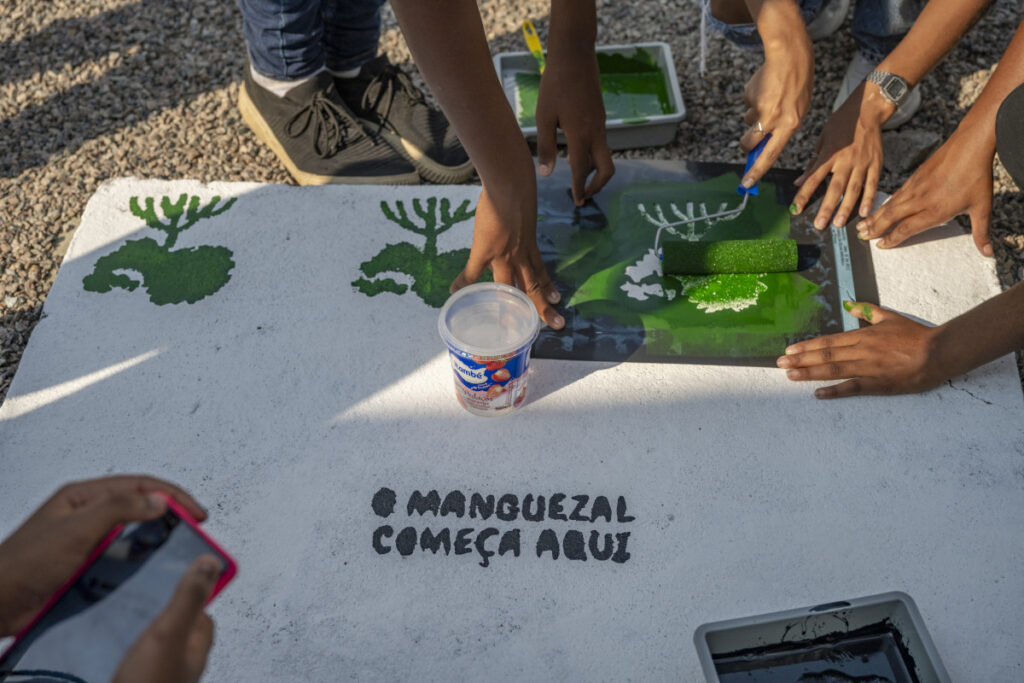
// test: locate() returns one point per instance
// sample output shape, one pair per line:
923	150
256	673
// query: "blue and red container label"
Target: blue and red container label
490	384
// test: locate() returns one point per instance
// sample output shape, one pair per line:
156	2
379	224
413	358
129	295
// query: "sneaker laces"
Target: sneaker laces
384	86
330	122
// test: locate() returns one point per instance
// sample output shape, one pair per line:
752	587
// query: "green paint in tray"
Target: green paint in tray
632	86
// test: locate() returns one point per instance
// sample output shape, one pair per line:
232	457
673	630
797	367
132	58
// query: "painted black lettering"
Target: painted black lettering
581	502
405	541
536	516
379	533
428	541
620	511
555	507
481	539
602	508
454	504
621	555
481	507
574	546
508	507
423	504
384	502
597	553
509	543
462	542
547	541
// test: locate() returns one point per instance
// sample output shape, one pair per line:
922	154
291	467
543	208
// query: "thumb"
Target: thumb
547	144
865	311
178	618
980	219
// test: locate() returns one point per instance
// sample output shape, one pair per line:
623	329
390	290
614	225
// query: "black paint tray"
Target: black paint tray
875	638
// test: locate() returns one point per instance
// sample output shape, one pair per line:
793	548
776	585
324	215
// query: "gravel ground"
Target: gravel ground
96	89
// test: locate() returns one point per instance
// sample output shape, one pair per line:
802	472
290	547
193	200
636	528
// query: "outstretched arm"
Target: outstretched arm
957	179
448	43
850	146
897	355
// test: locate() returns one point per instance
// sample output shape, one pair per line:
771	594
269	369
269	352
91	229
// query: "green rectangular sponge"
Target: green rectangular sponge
729	256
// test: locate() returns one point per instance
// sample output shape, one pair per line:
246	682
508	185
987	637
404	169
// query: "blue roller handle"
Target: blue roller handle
751	158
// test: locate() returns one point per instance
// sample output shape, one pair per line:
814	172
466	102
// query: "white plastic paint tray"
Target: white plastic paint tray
719	642
659	129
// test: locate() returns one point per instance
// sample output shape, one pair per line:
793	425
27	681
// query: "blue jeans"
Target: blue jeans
878	25
291	39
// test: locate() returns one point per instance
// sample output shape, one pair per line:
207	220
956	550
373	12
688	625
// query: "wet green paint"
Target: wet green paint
694	315
730	256
431	271
169	276
633	88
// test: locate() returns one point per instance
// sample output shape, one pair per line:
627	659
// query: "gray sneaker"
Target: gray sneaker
318	139
856	72
828	20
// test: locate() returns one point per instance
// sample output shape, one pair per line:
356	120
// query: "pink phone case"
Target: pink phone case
230	569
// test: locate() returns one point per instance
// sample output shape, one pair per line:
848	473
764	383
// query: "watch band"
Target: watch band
894	88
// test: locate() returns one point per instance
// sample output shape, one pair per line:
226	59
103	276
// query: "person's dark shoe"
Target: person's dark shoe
318	138
385	96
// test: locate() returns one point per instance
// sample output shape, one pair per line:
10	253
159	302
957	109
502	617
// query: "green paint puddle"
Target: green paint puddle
431	271
617	274
632	87
169	276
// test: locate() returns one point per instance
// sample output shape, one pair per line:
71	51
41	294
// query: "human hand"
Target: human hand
51	545
956	180
894	356
505	240
570	99
850	148
175	646
778	95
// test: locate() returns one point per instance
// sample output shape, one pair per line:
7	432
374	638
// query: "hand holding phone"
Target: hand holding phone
175	646
136	602
44	553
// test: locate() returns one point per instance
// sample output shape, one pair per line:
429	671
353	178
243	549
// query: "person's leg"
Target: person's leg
289	101
732	19
880	25
384	97
351	32
284	37
1010	135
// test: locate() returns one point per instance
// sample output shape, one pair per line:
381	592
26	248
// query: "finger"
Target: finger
769	155
581	166
118	506
503	272
750	116
870	190
174	625
854	186
535	285
197	650
980	219
825	371
551	293
822	356
907	228
849	338
753	137
82	493
851	387
547	143
475	266
890	213
865	311
828	205
605	169
812	178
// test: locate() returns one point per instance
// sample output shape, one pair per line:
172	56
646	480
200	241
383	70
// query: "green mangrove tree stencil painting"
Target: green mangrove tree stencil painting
615	273
431	272
169	276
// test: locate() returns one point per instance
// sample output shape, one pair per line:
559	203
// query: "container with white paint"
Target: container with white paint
489	329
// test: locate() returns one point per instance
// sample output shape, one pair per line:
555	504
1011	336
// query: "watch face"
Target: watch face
895	89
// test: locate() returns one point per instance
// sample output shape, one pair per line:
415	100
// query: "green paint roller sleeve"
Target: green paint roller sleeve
730	256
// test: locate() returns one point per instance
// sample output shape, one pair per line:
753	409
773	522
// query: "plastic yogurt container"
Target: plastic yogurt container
489	329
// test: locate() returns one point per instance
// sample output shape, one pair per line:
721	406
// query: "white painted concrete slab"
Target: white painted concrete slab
287	399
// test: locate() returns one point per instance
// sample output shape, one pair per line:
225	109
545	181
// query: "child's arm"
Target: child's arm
850	147
778	95
898	356
447	41
957	179
570	99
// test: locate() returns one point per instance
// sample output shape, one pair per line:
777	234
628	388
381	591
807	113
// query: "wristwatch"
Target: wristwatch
894	88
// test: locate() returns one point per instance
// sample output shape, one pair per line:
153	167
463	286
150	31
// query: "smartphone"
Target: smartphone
88	626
